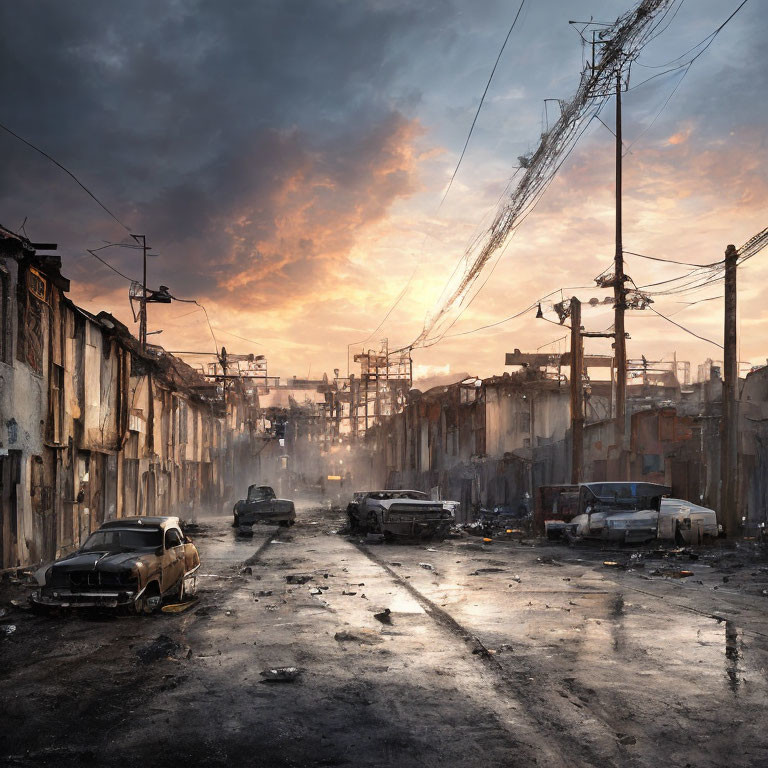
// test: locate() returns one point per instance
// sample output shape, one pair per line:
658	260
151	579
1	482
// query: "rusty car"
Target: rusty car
261	505
131	562
400	514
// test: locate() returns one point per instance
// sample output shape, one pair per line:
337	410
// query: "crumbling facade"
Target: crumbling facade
91	427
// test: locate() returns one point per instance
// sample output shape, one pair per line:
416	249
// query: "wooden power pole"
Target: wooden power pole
577	393
729	446
619	294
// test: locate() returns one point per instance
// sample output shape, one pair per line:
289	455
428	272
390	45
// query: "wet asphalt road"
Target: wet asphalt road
498	654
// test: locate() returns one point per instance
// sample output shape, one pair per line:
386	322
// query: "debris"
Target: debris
280	674
315	591
430	549
612	564
8	629
672	573
298	578
180	607
515	578
163	647
428	566
347	592
480	571
265	593
626	739
362	636
3	612
247	570
396	565
385	617
487	541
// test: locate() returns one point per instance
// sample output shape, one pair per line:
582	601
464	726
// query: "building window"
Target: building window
5	317
652	463
525	421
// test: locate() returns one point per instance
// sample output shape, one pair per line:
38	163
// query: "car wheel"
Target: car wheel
236	523
373	523
150	601
353	524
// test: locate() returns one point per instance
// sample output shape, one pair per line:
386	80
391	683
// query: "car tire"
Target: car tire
236	523
373	524
151	600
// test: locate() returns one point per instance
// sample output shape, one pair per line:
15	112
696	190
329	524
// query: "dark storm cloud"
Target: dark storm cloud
220	129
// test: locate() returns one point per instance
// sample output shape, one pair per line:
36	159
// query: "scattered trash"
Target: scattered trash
247	570
515	578
626	739
265	593
280	674
298	578
396	565
480	571
8	629
430	549
362	636
348	592
612	564
487	540
385	617
428	566
315	591
180	607
671	573
3	612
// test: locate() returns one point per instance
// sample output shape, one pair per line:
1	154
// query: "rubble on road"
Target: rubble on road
362	636
280	674
298	578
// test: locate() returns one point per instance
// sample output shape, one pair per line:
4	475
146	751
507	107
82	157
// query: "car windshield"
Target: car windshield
260	493
123	540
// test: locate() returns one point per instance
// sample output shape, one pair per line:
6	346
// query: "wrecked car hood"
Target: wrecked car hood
106	561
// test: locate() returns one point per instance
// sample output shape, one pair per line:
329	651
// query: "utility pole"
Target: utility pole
142	239
577	393
619	294
729	445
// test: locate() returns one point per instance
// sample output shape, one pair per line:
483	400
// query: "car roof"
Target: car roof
140	522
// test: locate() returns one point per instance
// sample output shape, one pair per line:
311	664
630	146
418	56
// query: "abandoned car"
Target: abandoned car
407	514
626	512
133	562
262	506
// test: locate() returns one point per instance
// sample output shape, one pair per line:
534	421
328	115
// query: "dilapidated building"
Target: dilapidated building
91	426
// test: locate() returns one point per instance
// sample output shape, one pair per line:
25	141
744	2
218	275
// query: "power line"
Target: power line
107	264
482	100
672	261
69	173
687	330
229	333
207	319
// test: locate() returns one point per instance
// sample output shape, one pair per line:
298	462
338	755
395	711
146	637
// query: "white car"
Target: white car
637	512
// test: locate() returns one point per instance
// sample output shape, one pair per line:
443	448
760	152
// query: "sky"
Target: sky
287	159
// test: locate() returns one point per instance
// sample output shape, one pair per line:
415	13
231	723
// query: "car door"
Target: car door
173	558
